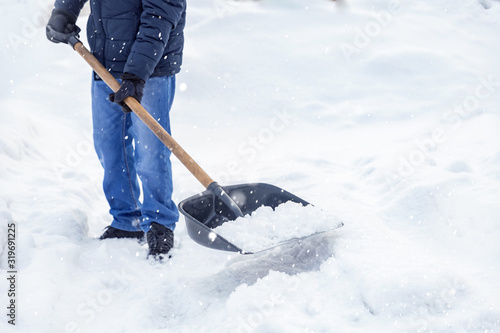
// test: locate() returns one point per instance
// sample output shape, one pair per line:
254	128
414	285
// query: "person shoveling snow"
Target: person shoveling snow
267	228
141	153
144	50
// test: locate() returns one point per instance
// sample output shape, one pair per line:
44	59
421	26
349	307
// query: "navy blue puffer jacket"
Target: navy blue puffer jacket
142	37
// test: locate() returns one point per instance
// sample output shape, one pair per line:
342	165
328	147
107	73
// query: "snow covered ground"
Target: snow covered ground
384	114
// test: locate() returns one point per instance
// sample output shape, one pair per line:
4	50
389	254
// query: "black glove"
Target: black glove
132	86
61	27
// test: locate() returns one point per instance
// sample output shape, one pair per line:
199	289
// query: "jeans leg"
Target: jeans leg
113	144
153	157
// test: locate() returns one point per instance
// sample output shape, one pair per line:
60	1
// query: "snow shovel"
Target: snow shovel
217	204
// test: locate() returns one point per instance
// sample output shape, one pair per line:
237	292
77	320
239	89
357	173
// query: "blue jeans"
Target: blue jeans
127	148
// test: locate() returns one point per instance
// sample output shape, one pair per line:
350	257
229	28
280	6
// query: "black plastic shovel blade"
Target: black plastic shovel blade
204	212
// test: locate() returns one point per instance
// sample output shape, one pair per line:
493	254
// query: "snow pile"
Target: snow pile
266	227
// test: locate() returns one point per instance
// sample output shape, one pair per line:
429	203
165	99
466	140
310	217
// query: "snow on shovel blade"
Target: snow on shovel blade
204	212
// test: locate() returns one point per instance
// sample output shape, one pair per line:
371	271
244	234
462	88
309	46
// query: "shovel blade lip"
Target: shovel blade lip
204	211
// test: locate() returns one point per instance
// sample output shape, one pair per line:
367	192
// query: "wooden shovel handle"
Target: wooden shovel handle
144	115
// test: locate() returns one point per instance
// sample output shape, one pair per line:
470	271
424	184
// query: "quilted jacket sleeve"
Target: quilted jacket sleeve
72	7
158	18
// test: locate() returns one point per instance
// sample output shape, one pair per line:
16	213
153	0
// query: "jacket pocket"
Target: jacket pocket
120	33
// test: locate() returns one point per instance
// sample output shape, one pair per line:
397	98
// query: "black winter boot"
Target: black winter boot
160	240
112	232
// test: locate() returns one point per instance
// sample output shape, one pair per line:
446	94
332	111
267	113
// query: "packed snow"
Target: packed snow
267	227
384	113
